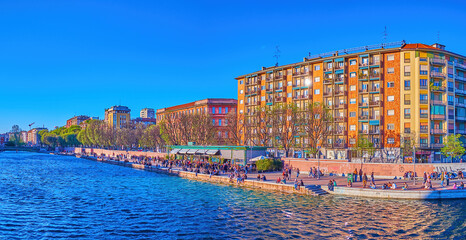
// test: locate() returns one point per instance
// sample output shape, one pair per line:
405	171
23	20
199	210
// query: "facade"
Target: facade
234	154
145	121
76	120
33	136
147	113
217	107
118	116
385	92
4	138
24	136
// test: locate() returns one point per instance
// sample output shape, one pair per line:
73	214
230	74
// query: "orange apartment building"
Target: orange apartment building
218	108
385	92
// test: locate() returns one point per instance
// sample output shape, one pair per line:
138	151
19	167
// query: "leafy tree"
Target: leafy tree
269	164
317	120
453	147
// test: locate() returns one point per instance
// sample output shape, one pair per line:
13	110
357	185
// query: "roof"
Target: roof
199	103
418	45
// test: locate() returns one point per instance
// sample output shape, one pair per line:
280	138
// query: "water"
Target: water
46	196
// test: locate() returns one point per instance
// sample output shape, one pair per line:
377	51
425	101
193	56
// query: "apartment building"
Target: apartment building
147	113
76	120
218	108
118	116
387	93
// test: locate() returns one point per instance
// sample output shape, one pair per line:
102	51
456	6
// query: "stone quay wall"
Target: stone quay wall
111	153
380	169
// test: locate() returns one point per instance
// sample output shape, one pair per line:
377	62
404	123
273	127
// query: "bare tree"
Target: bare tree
233	128
317	120
286	123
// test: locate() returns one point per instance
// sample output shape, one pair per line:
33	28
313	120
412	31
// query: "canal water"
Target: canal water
46	196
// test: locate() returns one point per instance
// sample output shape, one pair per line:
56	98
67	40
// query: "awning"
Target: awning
201	151
191	151
212	152
174	151
183	151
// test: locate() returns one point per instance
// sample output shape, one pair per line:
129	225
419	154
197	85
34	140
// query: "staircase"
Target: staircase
315	190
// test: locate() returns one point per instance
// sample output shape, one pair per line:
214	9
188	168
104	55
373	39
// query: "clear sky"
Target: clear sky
64	58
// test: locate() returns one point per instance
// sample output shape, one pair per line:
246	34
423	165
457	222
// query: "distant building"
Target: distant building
218	108
147	113
24	136
4	138
145	121
33	136
118	116
77	120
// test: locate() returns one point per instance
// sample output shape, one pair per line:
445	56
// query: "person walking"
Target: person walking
372	178
297	173
360	174
447	177
355	175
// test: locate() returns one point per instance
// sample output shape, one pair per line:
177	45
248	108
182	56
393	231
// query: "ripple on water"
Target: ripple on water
44	196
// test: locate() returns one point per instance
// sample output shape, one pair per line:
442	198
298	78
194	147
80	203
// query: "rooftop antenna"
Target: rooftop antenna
438	36
277	55
385	35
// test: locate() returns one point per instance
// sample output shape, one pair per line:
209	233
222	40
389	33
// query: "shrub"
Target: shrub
269	165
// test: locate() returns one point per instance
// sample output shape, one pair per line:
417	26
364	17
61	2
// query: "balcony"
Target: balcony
424	101
437	117
340	80
407	116
375	103
327	93
363	104
373	90
364	131
339	119
460	104
278	77
460	65
375	131
458	77
437	74
407	130
437	89
423	145
437	61
340	92
268	89
375	63
363	90
461	131
438	131
302	97
363	64
328	80
424	115
375	75
268	79
339	145
363	77
339	106
300	73
423	87
279	99
363	117
437	102
269	100
339	132
407	102
437	145
424	130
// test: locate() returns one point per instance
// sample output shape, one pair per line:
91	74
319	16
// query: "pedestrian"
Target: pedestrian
364	181
360	175
297	173
355	175
372	178
425	178
447	177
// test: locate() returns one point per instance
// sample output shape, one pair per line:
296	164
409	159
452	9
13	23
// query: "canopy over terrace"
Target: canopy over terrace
234	154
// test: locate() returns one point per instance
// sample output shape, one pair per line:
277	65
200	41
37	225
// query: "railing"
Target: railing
340	105
339	119
463	66
438	131
339	80
363	90
423	145
423	101
437	74
305	96
268	79
374	131
461	131
459	104
372	103
437	102
437	117
375	90
407	130
373	75
407	102
424	130
279	99
339	145
423	87
424	115
363	64
363	131
363	76
437	89
356	49
460	91
458	77
407	87
363	117
328	80
326	69
340	92
437	145
269	100
269	89
437	61
363	104
279	76
375	62
407	116
339	132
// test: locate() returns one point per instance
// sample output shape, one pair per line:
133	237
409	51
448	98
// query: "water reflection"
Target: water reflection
43	196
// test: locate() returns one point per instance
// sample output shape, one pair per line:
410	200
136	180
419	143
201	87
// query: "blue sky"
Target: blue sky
64	58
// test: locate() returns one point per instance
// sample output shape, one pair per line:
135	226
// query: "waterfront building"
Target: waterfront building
147	113
387	93
4	138
118	116
24	136
76	120
145	121
34	137
218	108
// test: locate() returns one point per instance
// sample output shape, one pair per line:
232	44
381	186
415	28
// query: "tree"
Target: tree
233	128
151	138
286	122
317	120
15	135
365	148
453	147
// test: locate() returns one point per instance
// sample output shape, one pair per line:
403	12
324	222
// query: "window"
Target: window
390	57
241	101
219	109
353	74
390	84
317	91
220	122
407	84
390	126
241	91
213	109
390	70
289	83
289	95
241	82
317	79
353	88
352	62
408	70
391	98
352	114
423	70
240	111
226	109
423	82
317	67
352	101
352	127
213	122
391	140
391	112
